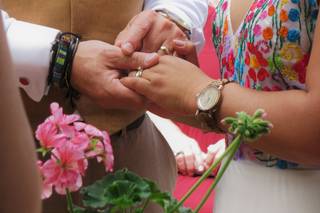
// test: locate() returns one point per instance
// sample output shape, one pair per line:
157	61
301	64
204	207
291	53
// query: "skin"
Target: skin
19	179
97	69
101	65
98	66
295	136
147	32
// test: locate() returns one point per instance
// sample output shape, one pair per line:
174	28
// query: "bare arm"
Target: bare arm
295	113
19	179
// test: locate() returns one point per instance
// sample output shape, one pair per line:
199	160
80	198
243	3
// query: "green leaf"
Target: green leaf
125	190
122	189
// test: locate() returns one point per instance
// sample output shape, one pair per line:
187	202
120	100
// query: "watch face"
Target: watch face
208	98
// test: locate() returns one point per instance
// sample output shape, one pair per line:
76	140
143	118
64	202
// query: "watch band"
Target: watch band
177	20
208	118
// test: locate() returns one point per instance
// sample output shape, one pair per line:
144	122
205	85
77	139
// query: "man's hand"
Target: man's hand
96	73
147	32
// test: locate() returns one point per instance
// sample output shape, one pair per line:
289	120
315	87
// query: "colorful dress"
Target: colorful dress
270	52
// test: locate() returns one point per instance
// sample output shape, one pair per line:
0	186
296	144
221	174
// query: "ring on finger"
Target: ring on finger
139	72
165	50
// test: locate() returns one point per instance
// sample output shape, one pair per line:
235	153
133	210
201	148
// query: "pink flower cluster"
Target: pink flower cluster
67	144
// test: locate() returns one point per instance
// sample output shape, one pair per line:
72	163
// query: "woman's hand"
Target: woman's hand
190	159
214	152
171	86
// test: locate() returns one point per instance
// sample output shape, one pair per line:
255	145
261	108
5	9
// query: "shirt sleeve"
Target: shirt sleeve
193	12
30	47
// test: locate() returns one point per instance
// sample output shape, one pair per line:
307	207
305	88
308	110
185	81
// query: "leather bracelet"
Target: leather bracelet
63	52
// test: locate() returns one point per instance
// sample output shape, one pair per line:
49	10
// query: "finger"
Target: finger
132	38
199	163
140	85
127	96
183	47
169	42
187	50
119	40
181	164
154	41
165	49
214	152
137	59
190	164
198	157
135	74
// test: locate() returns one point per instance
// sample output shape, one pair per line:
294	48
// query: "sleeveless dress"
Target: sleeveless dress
269	51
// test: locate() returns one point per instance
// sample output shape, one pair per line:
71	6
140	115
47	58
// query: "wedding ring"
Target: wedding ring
165	50
139	72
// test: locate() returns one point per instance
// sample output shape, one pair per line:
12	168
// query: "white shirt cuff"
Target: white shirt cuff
30	47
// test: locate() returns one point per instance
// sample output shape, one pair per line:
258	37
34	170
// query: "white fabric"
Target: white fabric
176	139
248	187
193	12
30	46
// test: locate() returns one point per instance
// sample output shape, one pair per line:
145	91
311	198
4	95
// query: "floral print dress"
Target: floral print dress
269	51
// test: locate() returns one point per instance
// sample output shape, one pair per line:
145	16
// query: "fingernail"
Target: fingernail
179	43
150	58
127	47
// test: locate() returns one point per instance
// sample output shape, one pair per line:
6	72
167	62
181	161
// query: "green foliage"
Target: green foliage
124	191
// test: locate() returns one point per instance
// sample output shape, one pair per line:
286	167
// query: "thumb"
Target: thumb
139	85
131	38
137	59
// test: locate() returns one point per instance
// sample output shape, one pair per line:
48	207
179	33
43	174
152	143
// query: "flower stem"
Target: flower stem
69	201
233	149
205	175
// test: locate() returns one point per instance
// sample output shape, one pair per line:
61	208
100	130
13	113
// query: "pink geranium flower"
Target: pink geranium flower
108	159
48	136
65	168
59	118
102	150
70	143
46	188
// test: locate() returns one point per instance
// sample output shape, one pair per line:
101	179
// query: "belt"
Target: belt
134	125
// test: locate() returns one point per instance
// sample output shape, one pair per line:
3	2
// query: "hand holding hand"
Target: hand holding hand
96	73
172	86
190	159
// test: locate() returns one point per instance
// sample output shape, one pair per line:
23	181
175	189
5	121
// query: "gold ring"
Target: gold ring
165	50
139	72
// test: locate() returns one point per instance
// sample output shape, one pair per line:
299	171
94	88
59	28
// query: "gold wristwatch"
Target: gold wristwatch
208	102
177	20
